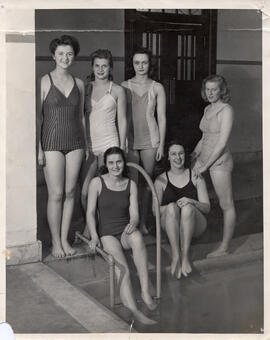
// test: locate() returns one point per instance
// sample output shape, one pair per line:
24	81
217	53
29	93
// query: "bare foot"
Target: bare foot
174	265
186	267
148	300
218	252
69	251
57	251
139	316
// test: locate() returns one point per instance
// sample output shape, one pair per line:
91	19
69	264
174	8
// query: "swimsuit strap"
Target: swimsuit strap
190	174
50	77
129	84
110	88
151	90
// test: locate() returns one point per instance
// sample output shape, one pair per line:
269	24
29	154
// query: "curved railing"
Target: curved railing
158	233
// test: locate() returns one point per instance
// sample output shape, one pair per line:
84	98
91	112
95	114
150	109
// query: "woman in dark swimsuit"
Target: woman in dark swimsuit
183	201
114	197
61	139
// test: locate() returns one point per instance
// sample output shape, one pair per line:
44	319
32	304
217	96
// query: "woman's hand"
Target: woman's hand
184	201
160	153
199	170
93	243
41	158
129	229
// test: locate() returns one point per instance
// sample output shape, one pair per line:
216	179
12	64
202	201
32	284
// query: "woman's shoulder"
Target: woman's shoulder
124	83
162	179
45	79
79	83
117	88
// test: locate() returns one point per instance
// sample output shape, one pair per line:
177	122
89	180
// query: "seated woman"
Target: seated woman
183	201
114	197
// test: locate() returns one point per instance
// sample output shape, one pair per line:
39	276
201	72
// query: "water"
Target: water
225	301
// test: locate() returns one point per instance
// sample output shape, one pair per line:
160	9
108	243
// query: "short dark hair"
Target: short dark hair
65	40
101	54
115	150
176	141
225	95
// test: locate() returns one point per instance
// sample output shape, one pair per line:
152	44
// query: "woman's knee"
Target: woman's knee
55	195
188	212
172	210
226	204
136	240
70	193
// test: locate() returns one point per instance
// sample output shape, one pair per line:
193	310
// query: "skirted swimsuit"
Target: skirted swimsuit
143	132
113	210
173	193
210	128
62	128
102	121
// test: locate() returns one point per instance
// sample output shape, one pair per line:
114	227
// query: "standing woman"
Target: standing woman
212	152
105	106
113	197
61	139
146	135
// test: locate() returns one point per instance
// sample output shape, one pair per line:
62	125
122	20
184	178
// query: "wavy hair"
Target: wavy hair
225	95
115	150
65	40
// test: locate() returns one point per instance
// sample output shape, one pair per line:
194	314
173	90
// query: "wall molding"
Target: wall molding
238	62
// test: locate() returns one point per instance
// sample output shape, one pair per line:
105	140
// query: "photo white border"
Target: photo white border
264	6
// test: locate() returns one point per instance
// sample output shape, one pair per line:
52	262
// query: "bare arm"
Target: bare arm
82	96
226	122
121	116
159	184
133	209
93	192
161	117
203	203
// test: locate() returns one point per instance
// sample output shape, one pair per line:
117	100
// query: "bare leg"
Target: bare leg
148	162
54	176
134	157
112	246
136	243
222	184
170	220
193	223
73	164
84	193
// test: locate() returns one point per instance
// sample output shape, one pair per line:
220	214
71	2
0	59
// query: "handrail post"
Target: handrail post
158	233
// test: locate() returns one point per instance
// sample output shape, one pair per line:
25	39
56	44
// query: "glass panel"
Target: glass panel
196	11
188	69
179	46
189	37
170	10
178	69
142	10
144	40
156	10
154	44
183	11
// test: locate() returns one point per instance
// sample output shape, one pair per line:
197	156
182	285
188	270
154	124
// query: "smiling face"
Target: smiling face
115	164
176	156
212	91
141	64
64	56
101	68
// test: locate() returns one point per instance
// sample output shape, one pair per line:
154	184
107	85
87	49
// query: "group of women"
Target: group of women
96	126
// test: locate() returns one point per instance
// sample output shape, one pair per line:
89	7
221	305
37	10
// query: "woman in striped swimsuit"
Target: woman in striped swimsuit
146	134
61	140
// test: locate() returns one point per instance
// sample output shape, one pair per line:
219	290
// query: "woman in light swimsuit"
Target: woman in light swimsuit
212	152
105	110
113	197
183	201
62	139
146	135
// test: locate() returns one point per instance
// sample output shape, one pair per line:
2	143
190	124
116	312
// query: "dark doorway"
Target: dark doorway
183	44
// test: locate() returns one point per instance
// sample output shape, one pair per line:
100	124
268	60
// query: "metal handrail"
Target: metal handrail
110	260
158	233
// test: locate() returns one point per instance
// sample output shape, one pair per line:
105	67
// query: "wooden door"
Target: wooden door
184	52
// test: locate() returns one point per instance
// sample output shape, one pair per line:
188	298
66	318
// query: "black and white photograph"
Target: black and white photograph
134	170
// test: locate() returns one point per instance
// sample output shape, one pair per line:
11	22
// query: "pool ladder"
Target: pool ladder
109	258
